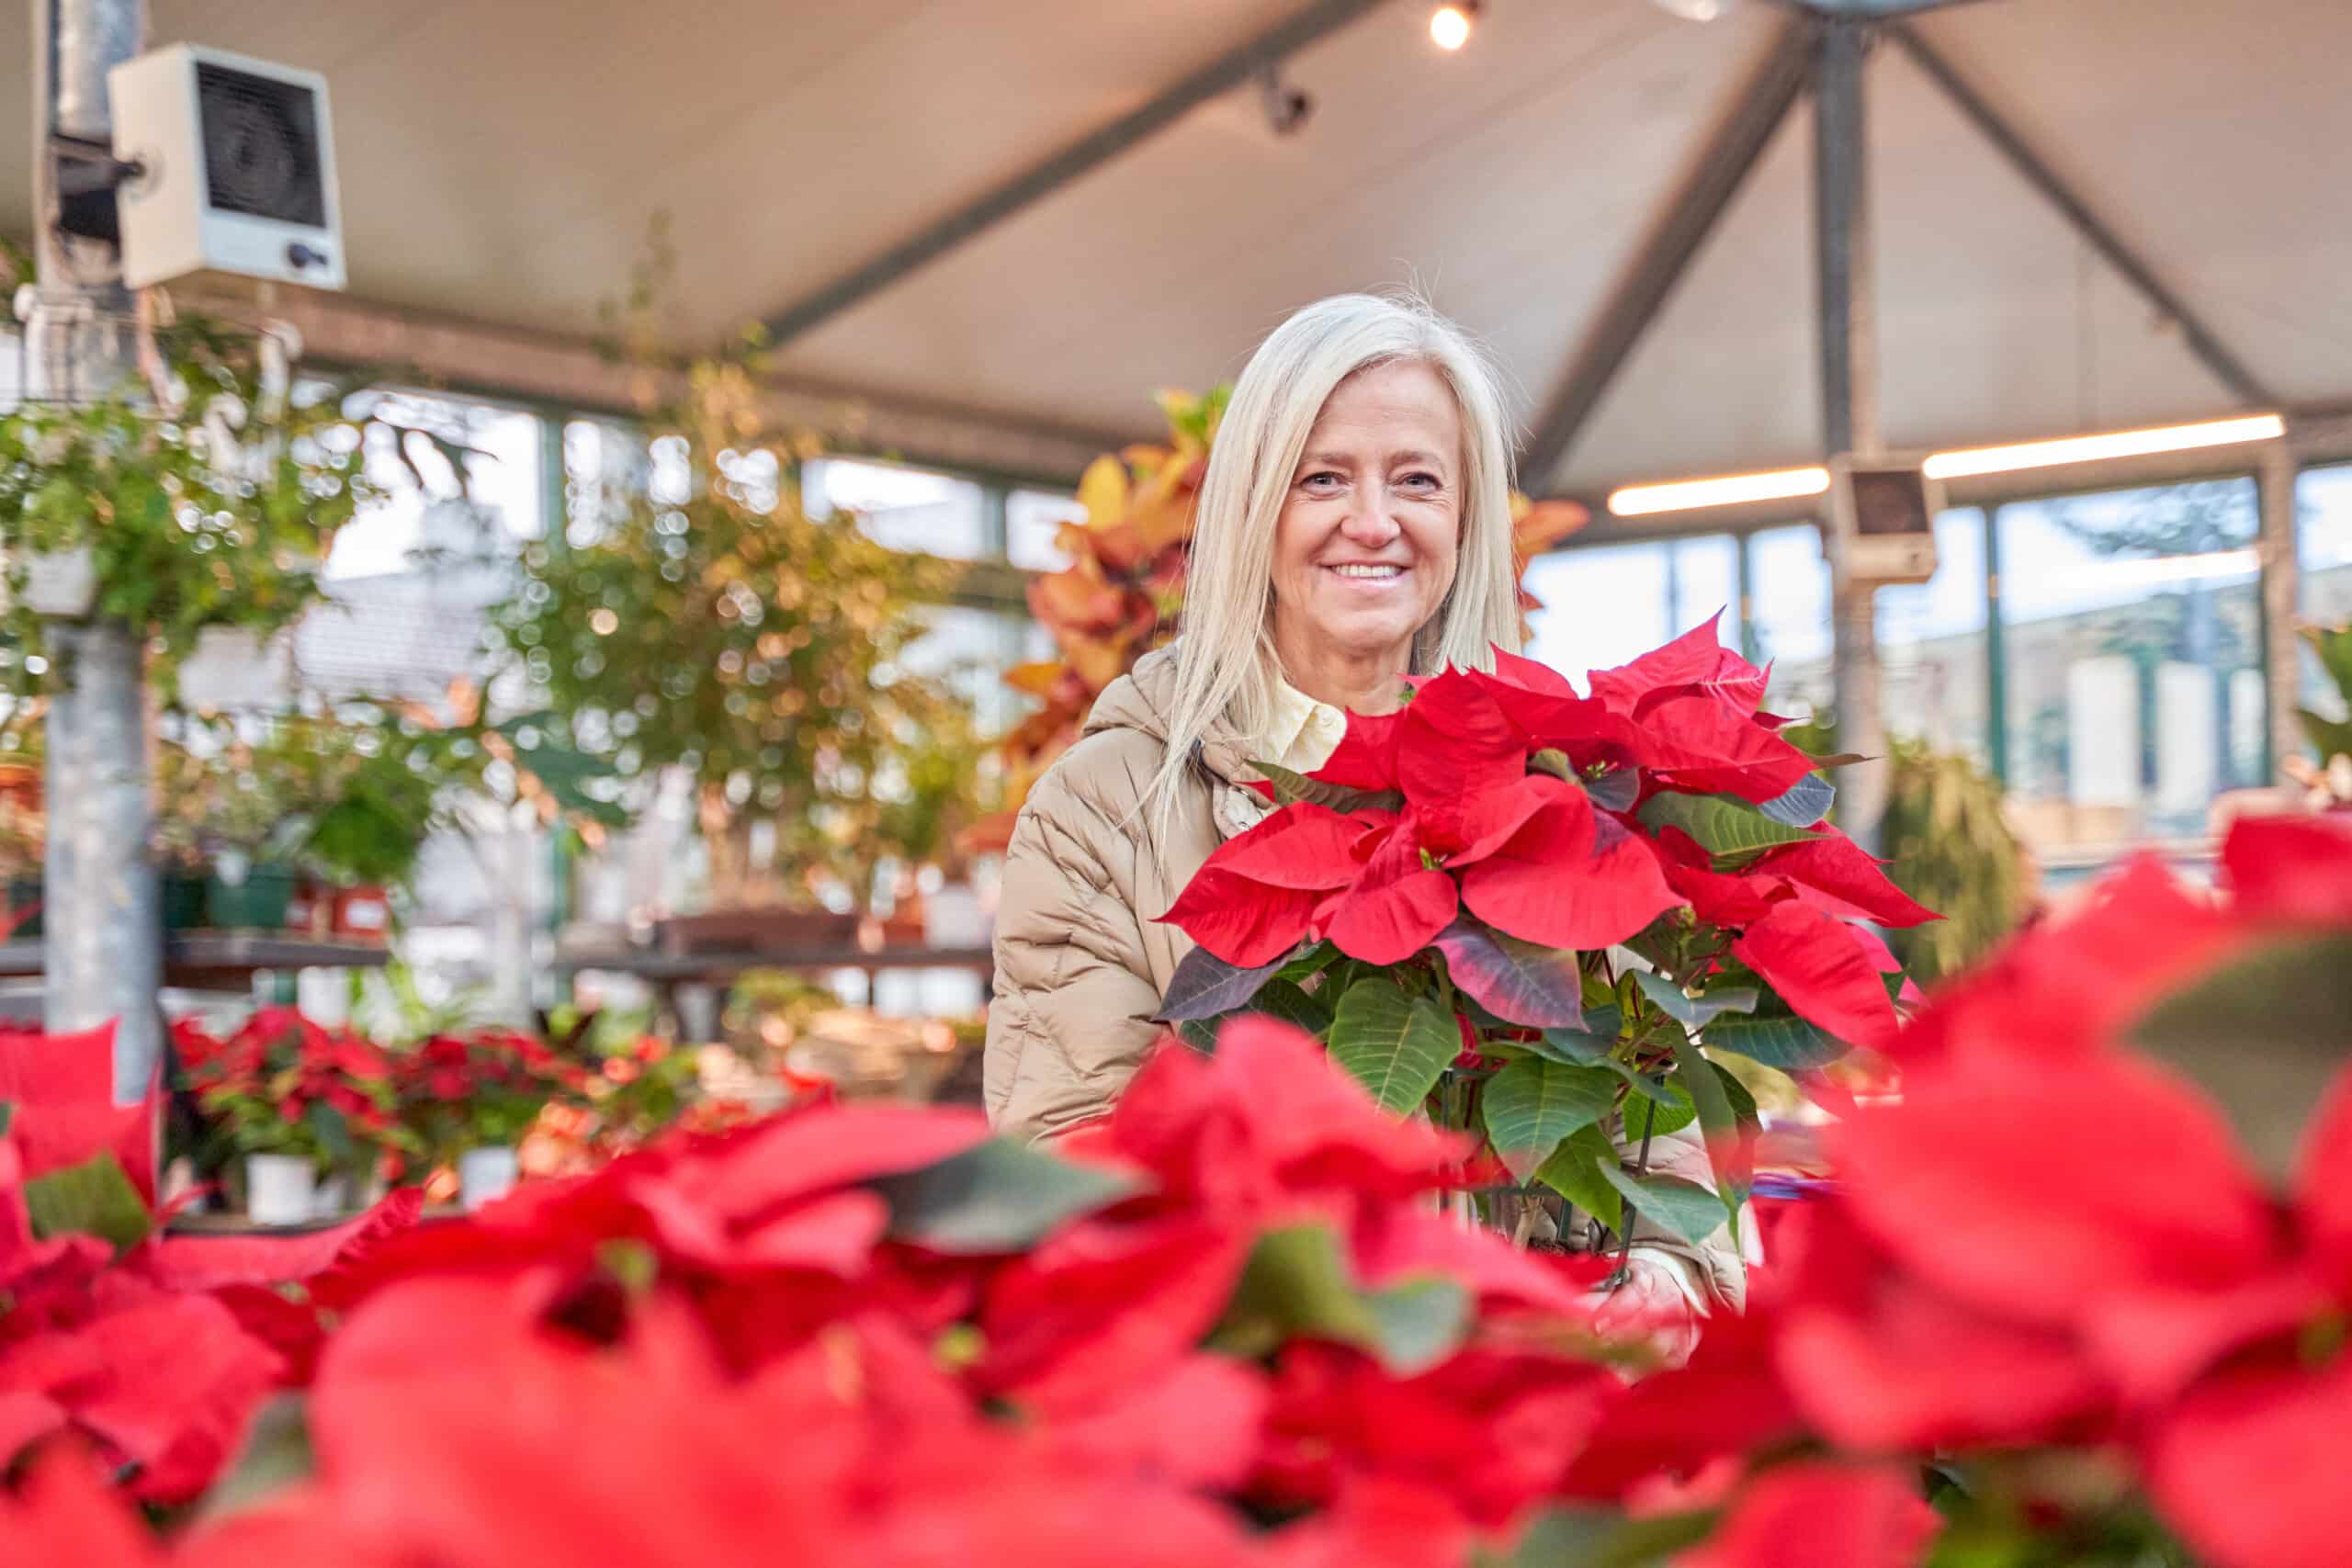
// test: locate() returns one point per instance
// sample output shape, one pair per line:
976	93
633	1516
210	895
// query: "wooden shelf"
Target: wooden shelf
717	968
207	961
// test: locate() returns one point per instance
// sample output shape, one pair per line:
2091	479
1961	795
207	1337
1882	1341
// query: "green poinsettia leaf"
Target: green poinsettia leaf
996	1197
1684	1210
1573	1170
1519	982
1532	1104
1291	788
1297	1284
1723	823
1615	790
1395	1046
1694	1011
1803	804
1206	985
1731	1142
1600	1537
1776	1040
94	1198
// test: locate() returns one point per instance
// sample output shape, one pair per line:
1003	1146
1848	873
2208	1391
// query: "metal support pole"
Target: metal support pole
1996	657
103	944
555	514
2283	734
1849	307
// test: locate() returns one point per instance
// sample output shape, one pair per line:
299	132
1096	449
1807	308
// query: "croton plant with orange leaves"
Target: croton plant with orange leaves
1122	593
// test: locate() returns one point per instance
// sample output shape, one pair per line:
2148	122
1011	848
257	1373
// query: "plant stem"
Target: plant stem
1641	1168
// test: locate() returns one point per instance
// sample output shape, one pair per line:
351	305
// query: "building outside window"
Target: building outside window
2131	628
1934	684
1607	604
1788	627
1032	518
907	509
2324	552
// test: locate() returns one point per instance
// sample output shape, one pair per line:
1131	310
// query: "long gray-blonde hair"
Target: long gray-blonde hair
1225	666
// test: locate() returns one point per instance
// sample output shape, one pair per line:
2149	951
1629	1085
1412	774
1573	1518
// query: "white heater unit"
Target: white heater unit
1881	519
235	165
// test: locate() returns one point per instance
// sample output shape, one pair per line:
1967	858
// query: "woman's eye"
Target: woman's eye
1324	479
1421	481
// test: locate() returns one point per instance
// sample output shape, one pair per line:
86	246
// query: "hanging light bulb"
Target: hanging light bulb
1449	24
1699	10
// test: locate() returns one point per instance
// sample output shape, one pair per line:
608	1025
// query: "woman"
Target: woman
1353	527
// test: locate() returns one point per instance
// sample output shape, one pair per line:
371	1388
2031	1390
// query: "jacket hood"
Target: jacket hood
1141	700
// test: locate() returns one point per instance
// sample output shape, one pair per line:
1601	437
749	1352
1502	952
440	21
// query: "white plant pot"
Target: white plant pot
484	1176
280	1190
63	583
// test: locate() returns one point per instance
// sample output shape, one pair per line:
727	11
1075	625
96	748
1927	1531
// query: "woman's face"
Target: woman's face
1364	550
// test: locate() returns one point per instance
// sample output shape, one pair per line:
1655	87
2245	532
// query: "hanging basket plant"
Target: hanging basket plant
205	494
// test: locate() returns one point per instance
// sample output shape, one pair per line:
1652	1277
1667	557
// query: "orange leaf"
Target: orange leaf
1544	524
1100	661
1102	490
1037	678
1075	600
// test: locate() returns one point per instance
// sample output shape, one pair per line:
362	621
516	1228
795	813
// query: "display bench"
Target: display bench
221	960
688	984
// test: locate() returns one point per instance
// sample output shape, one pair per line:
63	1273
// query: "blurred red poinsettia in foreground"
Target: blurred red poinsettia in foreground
2054	1249
152	1350
2050	1312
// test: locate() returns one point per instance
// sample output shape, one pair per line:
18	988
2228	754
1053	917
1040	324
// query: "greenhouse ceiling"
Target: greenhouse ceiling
501	166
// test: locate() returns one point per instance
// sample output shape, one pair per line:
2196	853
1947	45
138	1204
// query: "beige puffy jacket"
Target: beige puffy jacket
1081	959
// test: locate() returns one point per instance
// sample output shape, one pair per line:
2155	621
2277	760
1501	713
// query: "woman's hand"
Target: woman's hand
1656	1302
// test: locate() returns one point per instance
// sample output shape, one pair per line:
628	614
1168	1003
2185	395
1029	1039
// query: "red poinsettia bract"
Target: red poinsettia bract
1508	797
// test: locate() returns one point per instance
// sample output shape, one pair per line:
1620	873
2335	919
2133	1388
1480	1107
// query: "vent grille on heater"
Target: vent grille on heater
261	146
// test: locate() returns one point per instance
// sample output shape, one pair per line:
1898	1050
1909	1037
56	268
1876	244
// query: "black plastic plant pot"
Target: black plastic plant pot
24	894
183	898
257	902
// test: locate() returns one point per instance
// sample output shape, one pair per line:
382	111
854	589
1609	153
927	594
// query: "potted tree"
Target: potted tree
709	623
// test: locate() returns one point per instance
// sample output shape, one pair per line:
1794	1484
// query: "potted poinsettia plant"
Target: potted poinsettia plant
1547	917
296	1103
468	1097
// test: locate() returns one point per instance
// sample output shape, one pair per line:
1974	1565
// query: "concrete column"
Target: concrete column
101	914
1849	325
2282	592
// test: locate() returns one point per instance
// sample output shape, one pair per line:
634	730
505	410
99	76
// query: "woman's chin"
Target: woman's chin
1365	634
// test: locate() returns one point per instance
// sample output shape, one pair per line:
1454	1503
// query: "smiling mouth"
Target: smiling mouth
1368	573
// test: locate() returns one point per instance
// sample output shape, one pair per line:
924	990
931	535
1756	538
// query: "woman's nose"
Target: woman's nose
1372	526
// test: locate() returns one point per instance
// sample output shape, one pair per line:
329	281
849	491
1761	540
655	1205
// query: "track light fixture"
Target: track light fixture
1287	108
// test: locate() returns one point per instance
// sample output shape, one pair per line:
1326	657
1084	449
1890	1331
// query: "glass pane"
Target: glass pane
1788	587
1931	645
1602	605
12	370
1703	577
428	517
2132	648
1031	518
907	509
971	650
2323	549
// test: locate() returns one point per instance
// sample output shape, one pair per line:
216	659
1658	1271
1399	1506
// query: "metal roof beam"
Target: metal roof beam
1648	280
1089	151
2226	367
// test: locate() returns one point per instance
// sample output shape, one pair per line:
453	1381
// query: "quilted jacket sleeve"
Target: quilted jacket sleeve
1071	1020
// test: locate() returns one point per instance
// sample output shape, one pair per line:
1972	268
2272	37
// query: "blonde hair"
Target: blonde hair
1225	666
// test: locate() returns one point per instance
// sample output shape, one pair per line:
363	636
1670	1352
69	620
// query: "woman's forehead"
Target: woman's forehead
1399	404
